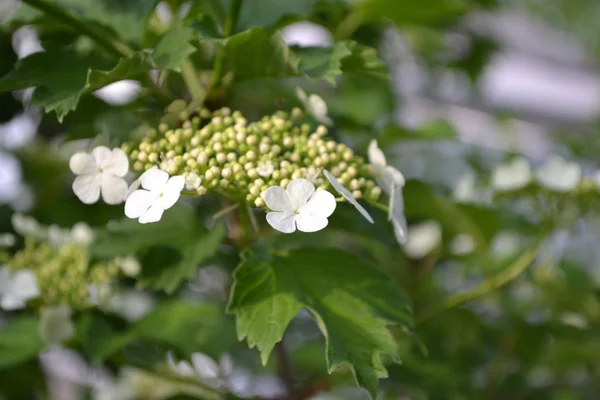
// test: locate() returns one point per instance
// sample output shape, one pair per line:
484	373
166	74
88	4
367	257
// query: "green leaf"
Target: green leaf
174	47
257	53
352	303
166	261
61	77
189	327
99	337
268	12
408	12
322	62
19	341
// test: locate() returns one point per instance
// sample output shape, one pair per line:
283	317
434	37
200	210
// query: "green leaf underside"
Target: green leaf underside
19	341
352	303
61	78
193	245
322	62
174	47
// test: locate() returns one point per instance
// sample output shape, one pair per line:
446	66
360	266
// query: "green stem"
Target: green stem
114	47
349	25
487	286
225	211
228	30
191	80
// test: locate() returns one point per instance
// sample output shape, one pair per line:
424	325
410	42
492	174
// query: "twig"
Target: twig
489	285
188	71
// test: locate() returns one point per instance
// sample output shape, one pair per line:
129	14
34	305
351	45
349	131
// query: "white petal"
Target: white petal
56	325
399	230
101	155
422	239
182	368
154	214
11	302
282	221
347	195
117	164
321	204
513	175
154	179
134	186
301	95
205	366
171	192
559	175
310	222
277	199
392	176
23	284
318	108
299	191
397	214
376	157
113	189
138	203
87	188
82	163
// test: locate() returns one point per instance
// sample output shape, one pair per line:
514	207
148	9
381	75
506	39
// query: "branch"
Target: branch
114	47
487	286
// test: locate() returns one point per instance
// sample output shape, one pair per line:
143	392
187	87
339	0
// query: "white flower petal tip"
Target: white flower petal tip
386	176
298	206
100	173
56	325
559	175
347	195
513	175
423	238
204	368
158	193
315	106
17	288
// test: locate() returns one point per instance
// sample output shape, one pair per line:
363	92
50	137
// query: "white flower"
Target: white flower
298	206
27	226
56	325
422	239
347	195
192	181
265	169
7	240
204	368
159	193
391	181
100	172
467	191
315	106
81	233
559	174
15	290
129	265
462	244
513	175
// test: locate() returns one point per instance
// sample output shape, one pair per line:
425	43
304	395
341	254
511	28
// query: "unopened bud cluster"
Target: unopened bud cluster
221	152
64	274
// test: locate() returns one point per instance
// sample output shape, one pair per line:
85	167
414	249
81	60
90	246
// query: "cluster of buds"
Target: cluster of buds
64	274
222	153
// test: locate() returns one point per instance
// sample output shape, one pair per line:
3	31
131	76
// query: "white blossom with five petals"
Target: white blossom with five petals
298	206
17	288
391	181
159	193
100	173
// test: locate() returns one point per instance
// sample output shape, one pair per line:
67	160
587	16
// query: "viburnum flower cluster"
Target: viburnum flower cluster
277	163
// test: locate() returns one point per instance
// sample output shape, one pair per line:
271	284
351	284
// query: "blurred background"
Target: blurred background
474	84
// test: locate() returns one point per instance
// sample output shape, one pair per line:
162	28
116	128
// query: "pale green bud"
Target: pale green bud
221	158
231	157
202	159
259	202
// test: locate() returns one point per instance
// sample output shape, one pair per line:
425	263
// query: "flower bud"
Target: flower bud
259	202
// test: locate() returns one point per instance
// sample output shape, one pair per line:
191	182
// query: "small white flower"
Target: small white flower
56	325
82	233
298	206
7	240
100	172
204	368
391	181
347	195
467	191
129	265
462	244
559	174
422	239
265	169
513	175
159	193
192	181
27	226
315	106
17	289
